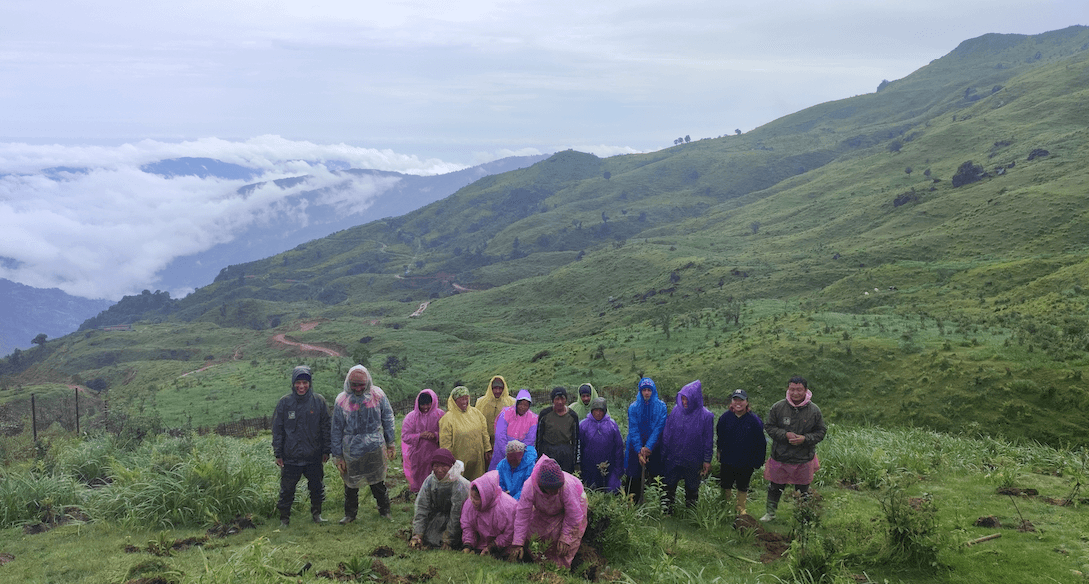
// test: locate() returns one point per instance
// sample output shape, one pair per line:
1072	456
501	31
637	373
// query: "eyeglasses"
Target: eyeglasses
358	384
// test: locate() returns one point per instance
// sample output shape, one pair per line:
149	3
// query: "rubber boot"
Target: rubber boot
742	497
351	505
381	496
770	515
315	513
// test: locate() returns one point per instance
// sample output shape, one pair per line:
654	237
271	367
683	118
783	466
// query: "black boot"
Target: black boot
381	496
351	505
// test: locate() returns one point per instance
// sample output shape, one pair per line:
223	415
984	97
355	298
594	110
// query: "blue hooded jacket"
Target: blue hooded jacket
646	420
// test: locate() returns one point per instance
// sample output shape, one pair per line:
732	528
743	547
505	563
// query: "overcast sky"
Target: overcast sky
418	87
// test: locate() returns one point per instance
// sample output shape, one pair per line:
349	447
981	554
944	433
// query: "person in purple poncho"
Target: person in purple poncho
643	454
420	438
602	448
487	516
515	422
689	444
553	508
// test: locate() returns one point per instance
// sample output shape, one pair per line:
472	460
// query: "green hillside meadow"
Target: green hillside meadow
920	254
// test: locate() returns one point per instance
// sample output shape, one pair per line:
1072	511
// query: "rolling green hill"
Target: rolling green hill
919	253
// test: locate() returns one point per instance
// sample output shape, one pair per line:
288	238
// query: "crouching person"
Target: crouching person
437	522
487	518
553	508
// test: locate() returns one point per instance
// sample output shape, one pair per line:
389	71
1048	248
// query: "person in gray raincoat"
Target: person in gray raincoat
300	443
437	521
362	440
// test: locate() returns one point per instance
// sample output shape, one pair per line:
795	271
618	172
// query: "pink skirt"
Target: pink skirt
791	474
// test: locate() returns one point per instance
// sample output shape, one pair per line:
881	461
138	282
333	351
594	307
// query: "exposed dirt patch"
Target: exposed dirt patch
232	527
1017	492
590	564
5	558
50	517
376	572
988	521
547	576
382	551
167	547
774	544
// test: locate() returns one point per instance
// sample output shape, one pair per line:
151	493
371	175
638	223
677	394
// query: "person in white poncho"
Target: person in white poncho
362	440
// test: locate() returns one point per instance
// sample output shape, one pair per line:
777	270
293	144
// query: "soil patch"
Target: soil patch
774	544
376	572
232	527
5	558
1017	492
167	547
988	521
49	517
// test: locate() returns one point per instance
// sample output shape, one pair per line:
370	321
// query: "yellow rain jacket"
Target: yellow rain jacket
465	434
491	407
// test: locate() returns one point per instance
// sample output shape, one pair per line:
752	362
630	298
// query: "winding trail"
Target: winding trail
283	340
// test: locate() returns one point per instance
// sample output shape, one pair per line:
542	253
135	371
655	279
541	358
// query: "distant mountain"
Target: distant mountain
399	194
26	312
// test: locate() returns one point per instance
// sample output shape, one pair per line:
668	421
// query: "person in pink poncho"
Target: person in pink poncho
487	517
516	422
553	508
420	438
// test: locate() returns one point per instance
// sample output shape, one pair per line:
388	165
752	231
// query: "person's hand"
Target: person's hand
467	550
488	455
416	542
389	452
487	551
342	466
445	546
603	467
795	439
706	469
280	462
562	548
324	458
514	553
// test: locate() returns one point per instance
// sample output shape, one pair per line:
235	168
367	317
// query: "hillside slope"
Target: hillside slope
919	253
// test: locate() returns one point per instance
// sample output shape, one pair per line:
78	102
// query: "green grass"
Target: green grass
931	487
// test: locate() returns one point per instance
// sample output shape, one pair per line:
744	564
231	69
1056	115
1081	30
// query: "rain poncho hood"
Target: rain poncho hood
576	404
688	438
465	434
602	447
553	518
494	521
415	451
646	420
510	426
491	407
362	428
437	516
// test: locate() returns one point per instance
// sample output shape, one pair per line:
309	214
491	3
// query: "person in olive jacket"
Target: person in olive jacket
795	425
302	443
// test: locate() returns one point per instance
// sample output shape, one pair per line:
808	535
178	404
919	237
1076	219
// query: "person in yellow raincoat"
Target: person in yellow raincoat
464	432
493	401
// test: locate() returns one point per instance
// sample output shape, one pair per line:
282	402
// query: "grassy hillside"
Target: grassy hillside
924	245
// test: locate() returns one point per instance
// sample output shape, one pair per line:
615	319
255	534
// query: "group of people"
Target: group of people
487	477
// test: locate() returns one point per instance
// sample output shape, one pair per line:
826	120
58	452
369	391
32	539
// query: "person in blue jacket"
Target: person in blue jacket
516	467
643	453
741	448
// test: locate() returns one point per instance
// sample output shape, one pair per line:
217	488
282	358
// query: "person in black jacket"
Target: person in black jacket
301	443
741	448
558	431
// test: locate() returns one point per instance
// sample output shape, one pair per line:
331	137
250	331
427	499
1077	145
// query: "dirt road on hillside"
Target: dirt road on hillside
283	340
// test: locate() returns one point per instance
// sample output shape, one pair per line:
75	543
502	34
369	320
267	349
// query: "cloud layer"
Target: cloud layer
99	227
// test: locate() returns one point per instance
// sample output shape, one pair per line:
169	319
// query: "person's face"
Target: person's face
474	496
559	402
462	402
646	393
522	407
514	458
440	470
497	389
552	490
684	402
424	408
598	414
585	397
301	386
796	391
357	381
739	406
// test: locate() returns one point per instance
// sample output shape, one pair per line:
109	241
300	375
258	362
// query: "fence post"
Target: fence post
77	413
33	418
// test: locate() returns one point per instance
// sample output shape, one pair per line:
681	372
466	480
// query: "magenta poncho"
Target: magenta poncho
415	451
553	518
510	426
493	523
